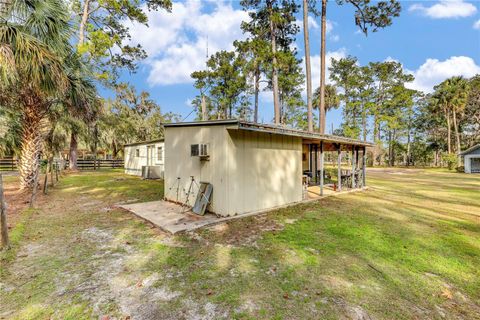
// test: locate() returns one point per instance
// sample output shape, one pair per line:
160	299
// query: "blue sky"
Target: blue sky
433	40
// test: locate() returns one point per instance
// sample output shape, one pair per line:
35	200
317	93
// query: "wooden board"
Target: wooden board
203	198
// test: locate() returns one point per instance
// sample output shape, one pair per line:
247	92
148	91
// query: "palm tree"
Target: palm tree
36	68
332	100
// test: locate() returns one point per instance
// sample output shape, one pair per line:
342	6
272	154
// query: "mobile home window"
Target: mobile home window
137	152
160	154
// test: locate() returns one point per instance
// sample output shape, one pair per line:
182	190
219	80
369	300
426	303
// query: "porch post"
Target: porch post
310	164
339	169
352	176
321	168
364	167
315	163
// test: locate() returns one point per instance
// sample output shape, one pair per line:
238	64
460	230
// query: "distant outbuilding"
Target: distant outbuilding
146	159
471	158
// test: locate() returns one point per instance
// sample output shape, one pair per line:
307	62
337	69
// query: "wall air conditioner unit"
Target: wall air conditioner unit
152	172
199	150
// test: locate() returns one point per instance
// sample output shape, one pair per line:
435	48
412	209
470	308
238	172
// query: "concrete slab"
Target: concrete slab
174	218
169	216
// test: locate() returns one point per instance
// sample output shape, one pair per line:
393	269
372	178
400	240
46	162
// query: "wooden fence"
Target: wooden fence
90	164
9	164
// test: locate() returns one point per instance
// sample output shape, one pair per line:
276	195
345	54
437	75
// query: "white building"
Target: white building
145	159
252	167
471	158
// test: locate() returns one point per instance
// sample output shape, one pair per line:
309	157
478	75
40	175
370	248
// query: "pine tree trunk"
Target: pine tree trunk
83	22
364	124
276	98
73	151
204	108
375	141
390	148
322	67
449	134
457	137
31	146
308	66
409	156
257	90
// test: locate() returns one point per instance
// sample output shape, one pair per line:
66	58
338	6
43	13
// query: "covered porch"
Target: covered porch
332	165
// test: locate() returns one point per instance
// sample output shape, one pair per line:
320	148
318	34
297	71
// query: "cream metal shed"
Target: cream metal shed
252	167
145	154
471	158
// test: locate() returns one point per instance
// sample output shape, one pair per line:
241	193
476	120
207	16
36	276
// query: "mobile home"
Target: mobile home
146	159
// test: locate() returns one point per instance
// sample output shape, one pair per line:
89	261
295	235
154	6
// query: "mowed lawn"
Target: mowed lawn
408	248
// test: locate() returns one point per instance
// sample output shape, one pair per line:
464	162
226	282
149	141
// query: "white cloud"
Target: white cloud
315	61
434	71
476	25
314	25
446	9
390	59
267	96
176	42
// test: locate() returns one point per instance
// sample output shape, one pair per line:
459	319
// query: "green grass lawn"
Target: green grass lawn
408	248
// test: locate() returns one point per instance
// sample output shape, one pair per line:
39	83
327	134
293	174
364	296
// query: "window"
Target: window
137	153
160	153
194	150
198	150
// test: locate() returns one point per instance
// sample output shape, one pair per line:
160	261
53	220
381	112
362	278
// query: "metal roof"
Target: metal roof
201	123
475	147
274	129
143	142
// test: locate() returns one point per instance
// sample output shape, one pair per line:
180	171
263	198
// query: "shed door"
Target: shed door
475	165
150	155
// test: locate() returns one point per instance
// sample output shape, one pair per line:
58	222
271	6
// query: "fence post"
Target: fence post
3	217
45	182
35	188
52	181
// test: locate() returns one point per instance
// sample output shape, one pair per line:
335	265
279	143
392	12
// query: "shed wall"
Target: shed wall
249	171
468	159
180	165
265	171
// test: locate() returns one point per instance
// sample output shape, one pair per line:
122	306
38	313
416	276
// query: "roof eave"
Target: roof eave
143	142
475	147
244	125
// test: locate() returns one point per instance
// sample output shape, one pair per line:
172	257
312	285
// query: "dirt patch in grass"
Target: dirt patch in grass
395	251
18	200
241	232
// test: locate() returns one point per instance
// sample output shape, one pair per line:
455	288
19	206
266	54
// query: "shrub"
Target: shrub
451	160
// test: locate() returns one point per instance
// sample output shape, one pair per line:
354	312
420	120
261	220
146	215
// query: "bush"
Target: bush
451	160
